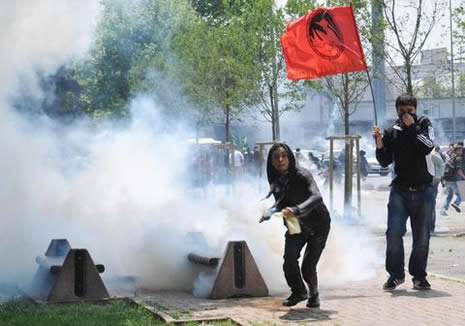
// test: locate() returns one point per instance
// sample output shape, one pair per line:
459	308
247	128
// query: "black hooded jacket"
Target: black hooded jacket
409	149
296	189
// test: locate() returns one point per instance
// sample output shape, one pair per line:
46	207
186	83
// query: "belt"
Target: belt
413	188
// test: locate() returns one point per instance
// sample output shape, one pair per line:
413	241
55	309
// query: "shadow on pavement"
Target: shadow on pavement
308	315
425	294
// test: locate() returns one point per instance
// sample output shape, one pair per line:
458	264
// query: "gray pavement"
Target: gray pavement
354	303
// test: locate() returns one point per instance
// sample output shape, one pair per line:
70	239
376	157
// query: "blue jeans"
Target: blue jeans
418	205
433	213
451	187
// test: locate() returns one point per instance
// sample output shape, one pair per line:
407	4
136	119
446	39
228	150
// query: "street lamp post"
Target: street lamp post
454	127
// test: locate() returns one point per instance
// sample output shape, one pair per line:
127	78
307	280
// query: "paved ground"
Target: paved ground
355	303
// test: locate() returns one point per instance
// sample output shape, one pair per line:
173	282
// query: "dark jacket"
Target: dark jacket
297	190
408	148
452	168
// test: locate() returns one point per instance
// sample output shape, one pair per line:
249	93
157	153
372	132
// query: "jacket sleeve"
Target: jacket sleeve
313	199
439	165
423	133
384	155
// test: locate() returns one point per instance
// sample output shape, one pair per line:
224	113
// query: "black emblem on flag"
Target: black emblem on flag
325	36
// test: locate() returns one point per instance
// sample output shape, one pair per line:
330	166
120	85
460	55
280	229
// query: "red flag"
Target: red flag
323	42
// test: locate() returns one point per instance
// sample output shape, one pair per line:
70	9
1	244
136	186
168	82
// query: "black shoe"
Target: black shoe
421	284
392	283
313	301
456	207
294	299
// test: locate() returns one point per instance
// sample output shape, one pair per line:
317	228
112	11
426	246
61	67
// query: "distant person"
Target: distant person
363	164
315	160
450	151
238	158
298	155
257	159
439	166
453	169
408	144
238	162
297	195
341	158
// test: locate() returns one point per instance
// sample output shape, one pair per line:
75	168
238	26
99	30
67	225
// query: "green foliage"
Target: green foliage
217	12
132	40
297	8
266	23
435	87
20	313
215	68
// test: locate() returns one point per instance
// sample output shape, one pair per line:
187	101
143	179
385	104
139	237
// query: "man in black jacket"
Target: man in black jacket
297	195
407	144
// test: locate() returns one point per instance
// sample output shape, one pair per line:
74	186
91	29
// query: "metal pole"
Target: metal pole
349	169
359	197
454	126
373	97
330	171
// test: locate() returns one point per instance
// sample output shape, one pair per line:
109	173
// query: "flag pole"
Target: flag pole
373	96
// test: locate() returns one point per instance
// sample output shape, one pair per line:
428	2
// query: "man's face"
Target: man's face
280	160
402	109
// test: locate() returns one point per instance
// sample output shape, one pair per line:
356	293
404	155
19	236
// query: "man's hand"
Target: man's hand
407	119
436	181
288	212
378	136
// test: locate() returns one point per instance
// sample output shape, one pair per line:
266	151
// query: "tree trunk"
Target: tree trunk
273	115
274	91
348	154
345	105
226	124
408	71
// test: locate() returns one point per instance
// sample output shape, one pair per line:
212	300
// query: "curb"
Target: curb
447	278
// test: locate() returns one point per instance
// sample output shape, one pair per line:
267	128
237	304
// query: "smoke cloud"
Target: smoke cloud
122	192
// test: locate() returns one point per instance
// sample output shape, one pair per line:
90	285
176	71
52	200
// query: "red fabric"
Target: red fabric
323	42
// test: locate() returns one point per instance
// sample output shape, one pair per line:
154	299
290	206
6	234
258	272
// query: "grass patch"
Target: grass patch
115	313
181	314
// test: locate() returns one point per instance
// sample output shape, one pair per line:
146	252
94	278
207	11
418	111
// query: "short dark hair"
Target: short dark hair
406	99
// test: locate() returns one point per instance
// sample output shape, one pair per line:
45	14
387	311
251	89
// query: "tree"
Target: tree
133	40
459	44
218	12
215	63
408	43
274	94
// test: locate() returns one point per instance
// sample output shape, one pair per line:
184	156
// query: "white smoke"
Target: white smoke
120	192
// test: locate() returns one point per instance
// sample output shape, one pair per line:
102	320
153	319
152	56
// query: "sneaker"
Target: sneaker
443	212
392	283
421	284
313	301
456	207
294	299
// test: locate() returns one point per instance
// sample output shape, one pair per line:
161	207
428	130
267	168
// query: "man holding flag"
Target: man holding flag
408	144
